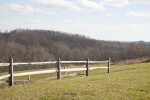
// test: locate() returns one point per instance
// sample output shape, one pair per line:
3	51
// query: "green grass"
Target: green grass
126	82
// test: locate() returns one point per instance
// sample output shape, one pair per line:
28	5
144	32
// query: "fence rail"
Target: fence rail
58	70
4	64
4	76
35	72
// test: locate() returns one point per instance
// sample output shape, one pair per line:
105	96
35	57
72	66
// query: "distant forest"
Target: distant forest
26	45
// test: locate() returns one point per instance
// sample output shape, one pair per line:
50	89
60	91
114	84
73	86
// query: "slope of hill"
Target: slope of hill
127	82
45	45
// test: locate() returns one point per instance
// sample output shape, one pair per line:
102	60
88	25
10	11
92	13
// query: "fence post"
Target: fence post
87	66
11	72
58	69
65	71
108	65
29	77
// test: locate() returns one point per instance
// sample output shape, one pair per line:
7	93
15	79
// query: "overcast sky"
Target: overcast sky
119	20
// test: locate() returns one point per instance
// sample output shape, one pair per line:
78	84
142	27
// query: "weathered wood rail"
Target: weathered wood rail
58	70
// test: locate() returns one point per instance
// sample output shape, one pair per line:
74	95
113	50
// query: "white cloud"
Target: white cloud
91	5
115	3
58	3
109	14
138	14
34	21
145	2
22	9
78	5
78	20
130	25
19	8
65	21
69	21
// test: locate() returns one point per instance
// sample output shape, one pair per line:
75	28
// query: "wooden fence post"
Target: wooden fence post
65	71
29	77
11	72
58	69
87	66
108	65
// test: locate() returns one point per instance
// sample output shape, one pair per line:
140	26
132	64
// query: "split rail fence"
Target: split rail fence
58	70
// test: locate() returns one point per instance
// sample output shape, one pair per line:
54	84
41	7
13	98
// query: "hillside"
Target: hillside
44	45
127	82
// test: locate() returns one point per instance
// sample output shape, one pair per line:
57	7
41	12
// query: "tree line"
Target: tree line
26	45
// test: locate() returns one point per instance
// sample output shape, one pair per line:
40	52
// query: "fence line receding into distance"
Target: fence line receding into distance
58	70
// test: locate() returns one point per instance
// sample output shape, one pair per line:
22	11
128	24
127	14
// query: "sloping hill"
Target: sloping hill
46	45
128	82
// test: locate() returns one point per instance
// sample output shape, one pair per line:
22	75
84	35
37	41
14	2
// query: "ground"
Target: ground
125	82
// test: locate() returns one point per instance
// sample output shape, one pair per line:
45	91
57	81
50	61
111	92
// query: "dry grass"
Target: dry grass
133	61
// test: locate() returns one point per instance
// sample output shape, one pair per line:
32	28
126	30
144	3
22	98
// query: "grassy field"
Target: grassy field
125	82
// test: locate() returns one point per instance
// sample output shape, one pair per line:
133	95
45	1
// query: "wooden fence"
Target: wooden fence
58	70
